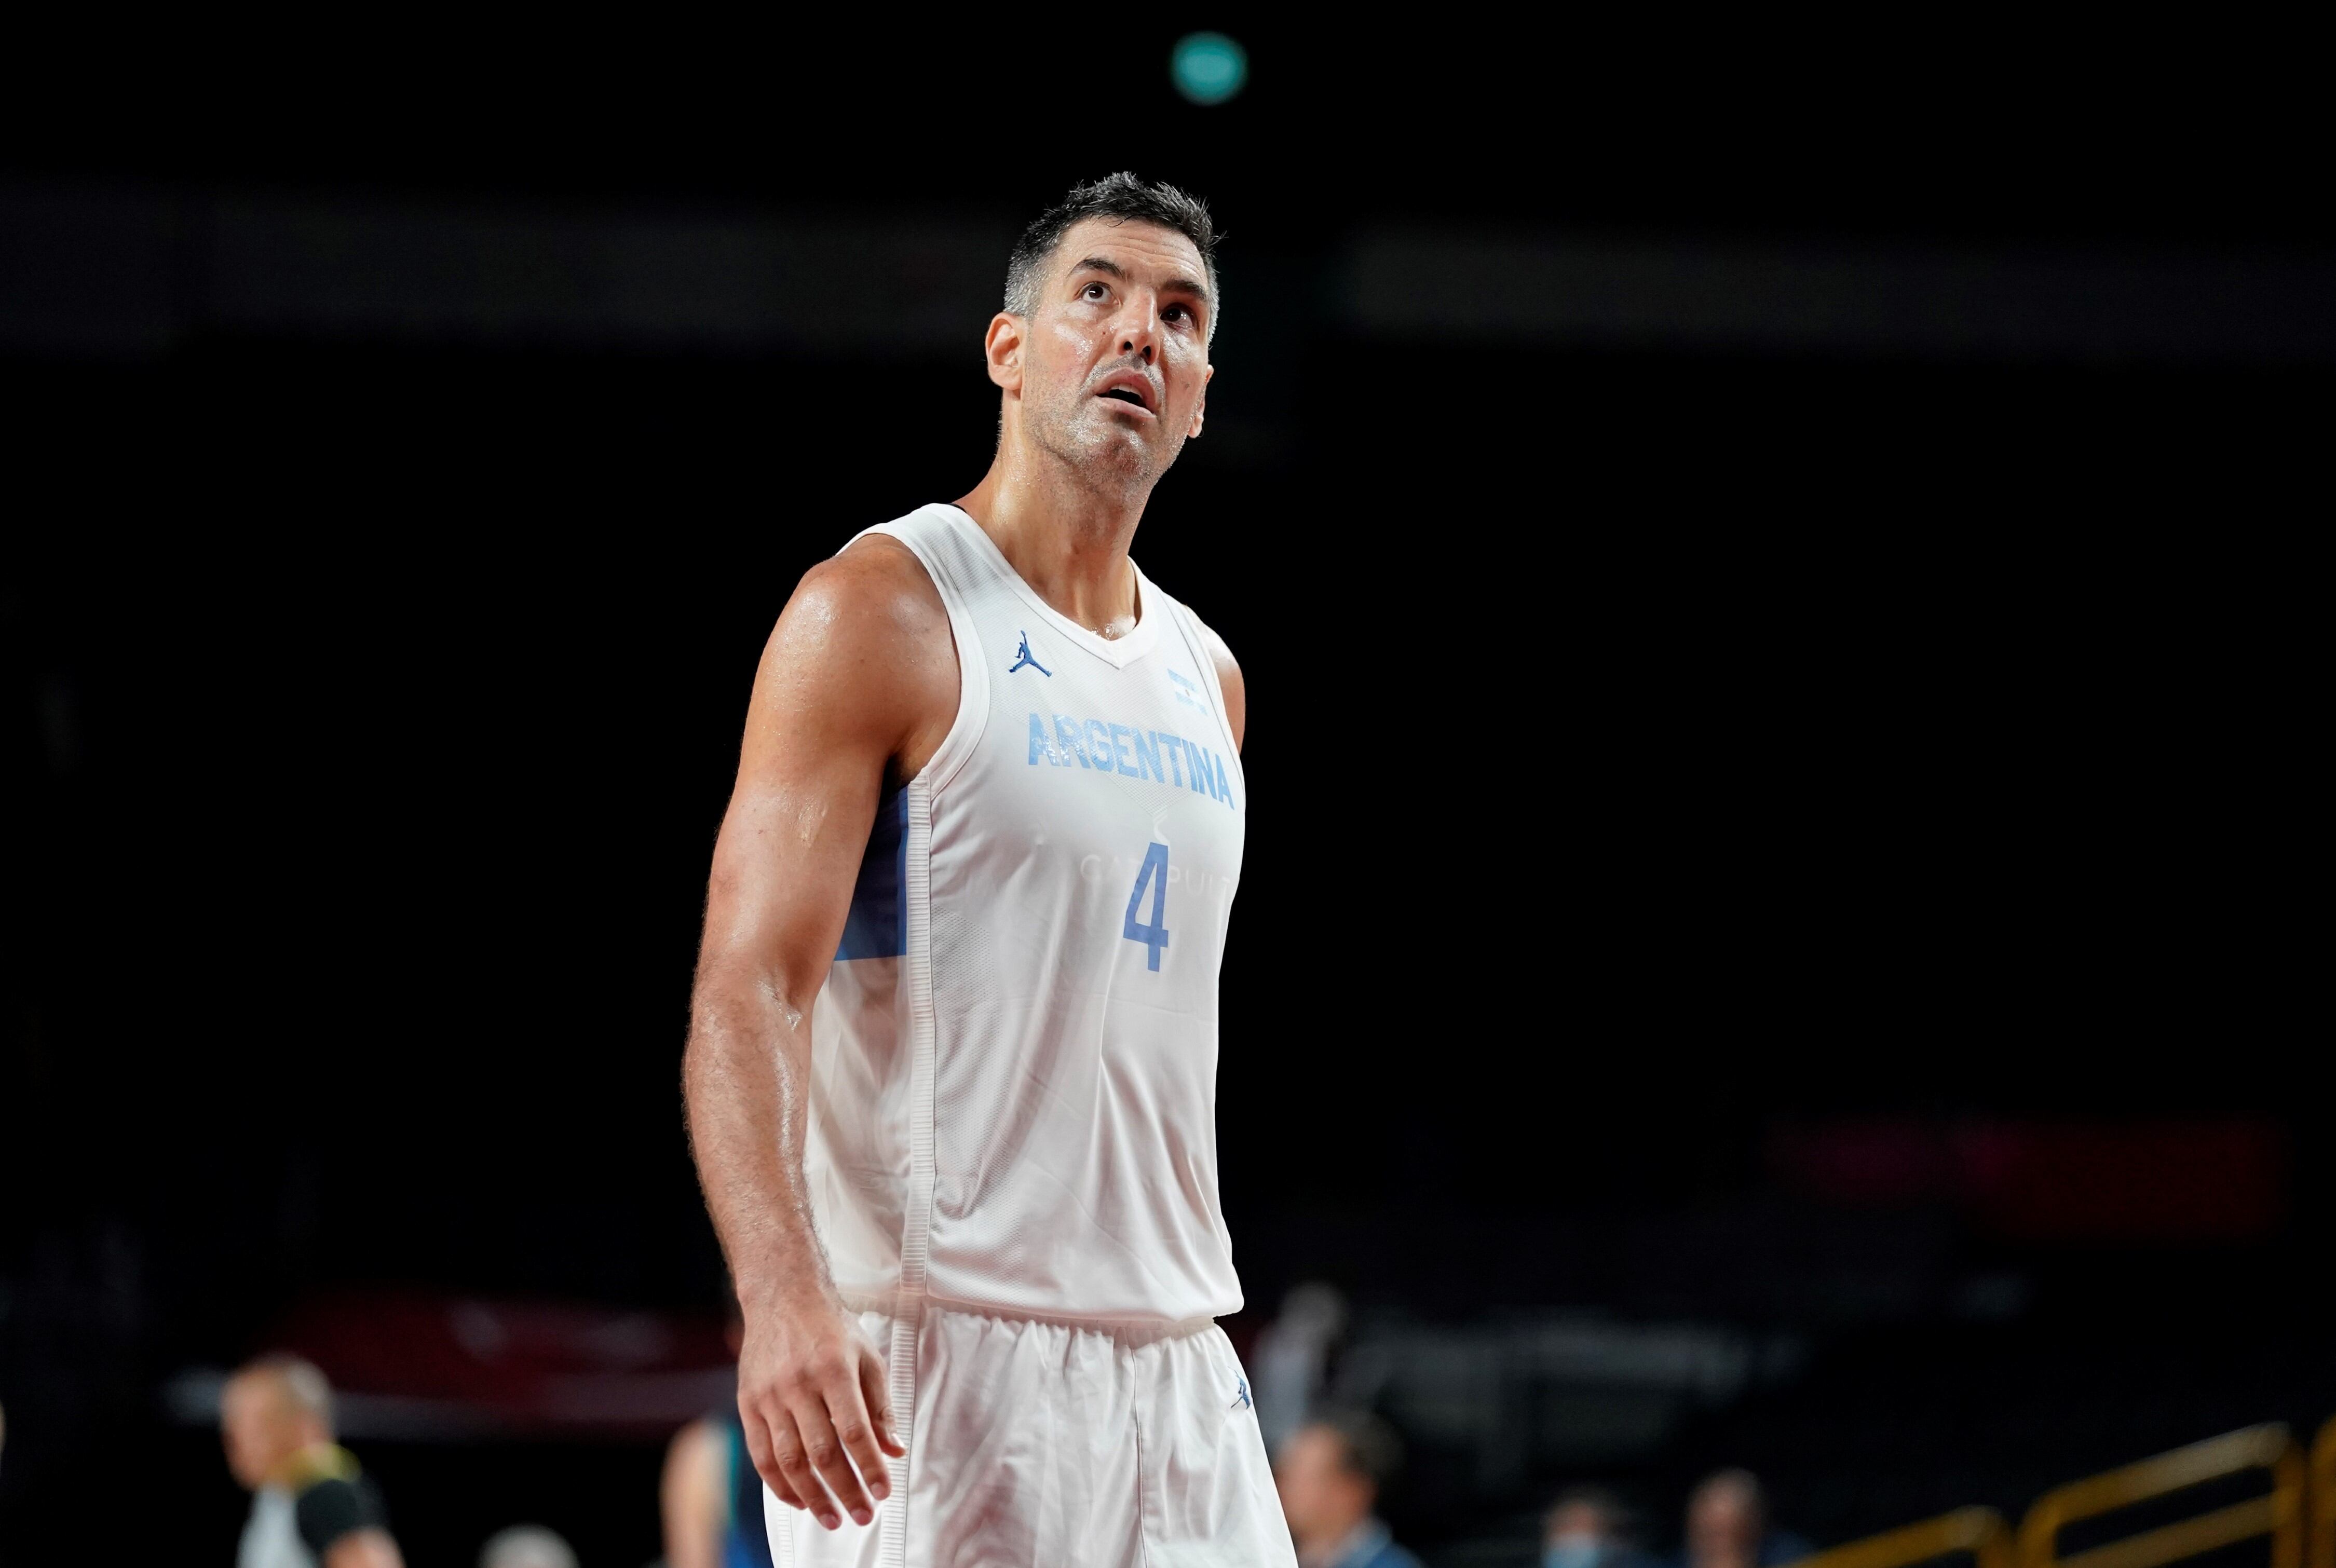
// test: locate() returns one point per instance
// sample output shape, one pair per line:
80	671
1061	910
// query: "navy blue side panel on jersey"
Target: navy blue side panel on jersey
878	925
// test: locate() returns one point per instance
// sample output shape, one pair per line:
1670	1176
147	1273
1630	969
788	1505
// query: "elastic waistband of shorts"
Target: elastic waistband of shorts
1130	1331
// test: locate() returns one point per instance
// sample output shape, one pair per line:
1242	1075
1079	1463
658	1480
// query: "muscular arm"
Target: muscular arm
857	687
367	1548
1229	679
339	1519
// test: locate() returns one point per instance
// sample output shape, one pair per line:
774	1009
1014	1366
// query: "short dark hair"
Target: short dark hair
1368	1447
1122	198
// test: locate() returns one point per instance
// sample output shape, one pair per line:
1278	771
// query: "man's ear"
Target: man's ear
1003	348
1200	408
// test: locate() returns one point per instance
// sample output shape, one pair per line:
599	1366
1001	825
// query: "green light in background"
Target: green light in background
1208	67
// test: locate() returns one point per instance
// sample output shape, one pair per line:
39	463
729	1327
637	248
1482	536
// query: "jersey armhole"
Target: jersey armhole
965	729
1197	641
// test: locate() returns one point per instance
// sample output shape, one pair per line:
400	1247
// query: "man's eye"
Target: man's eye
1178	313
1093	291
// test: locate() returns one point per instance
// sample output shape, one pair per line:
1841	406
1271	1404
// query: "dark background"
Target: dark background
1671	745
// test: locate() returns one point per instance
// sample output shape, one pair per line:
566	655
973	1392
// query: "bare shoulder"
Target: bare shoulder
878	587
865	642
1229	678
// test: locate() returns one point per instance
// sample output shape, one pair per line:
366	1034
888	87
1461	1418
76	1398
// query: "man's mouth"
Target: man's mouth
1130	388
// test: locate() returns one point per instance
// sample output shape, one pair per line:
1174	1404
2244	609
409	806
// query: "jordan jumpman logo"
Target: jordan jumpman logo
1025	658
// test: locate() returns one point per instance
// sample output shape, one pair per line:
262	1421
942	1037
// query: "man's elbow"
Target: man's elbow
739	1006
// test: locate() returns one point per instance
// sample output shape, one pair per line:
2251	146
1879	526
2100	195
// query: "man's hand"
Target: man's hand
818	1417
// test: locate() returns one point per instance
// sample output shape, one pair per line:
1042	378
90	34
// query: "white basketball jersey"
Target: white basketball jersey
1015	1056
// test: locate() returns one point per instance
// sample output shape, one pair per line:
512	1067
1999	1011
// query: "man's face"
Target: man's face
1723	1523
1321	1497
261	1427
1113	363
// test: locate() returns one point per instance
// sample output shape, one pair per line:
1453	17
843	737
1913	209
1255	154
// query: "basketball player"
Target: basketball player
952	1058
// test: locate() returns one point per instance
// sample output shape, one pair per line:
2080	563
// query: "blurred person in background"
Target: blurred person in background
1728	1526
526	1546
1292	1358
711	1499
1329	1472
311	1504
1588	1527
957	1134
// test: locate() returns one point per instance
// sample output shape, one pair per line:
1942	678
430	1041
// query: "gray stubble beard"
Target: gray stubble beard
1049	432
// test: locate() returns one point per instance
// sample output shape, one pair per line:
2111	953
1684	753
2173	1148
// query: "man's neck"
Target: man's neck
1066	537
300	1463
1333	1547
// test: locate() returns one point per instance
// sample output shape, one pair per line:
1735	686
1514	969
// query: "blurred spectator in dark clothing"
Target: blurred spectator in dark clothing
1728	1526
1330	1471
1588	1527
311	1504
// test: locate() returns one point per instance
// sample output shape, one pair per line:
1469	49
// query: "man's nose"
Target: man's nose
1139	331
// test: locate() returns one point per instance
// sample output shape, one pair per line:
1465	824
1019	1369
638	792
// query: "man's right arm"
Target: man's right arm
856	688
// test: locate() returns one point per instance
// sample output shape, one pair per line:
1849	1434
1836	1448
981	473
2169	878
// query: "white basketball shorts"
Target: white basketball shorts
1047	1445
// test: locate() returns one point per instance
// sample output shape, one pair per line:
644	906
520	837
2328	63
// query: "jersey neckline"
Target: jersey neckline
1118	652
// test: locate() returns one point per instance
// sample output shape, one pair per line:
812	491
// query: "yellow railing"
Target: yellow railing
2282	1513
1978	1530
2279	1513
2323	1497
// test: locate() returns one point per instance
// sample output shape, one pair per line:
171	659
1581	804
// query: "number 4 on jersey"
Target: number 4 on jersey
1154	874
